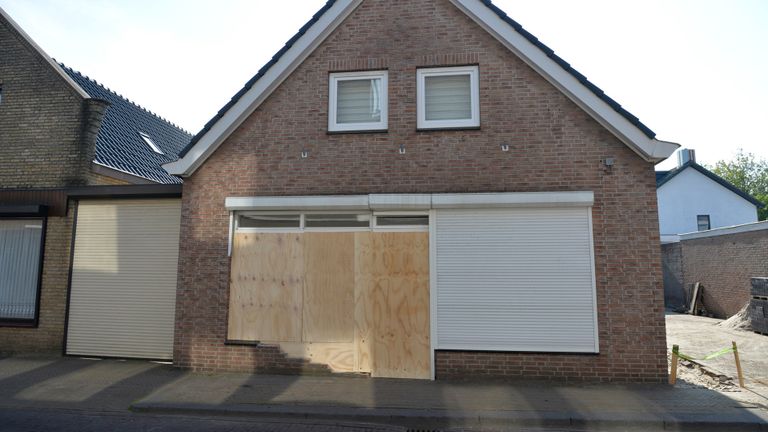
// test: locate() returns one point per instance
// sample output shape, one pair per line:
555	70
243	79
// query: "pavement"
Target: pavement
698	336
151	389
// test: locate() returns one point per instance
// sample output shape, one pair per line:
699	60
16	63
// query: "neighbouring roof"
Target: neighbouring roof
662	177
120	145
299	46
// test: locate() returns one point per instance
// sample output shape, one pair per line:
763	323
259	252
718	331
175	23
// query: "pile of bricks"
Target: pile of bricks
758	305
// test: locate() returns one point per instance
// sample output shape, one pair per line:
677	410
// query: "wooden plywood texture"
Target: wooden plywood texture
356	302
400	295
266	288
329	287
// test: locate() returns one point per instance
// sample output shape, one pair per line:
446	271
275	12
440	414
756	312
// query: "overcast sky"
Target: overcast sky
694	71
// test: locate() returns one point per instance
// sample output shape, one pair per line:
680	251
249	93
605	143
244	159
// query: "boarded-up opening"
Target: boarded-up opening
355	301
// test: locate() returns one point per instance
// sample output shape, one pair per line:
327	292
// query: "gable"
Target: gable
587	96
694	175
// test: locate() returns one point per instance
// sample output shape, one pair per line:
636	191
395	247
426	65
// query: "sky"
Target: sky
694	71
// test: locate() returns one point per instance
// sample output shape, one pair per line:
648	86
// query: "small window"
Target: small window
702	221
337	220
280	221
392	221
150	143
21	242
357	101
448	98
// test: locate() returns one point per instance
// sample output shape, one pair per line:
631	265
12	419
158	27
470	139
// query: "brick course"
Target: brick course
554	146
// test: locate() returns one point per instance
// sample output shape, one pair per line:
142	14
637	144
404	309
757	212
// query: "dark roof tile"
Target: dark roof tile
119	145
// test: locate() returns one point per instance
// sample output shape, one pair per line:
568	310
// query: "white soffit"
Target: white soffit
262	88
412	201
650	149
79	90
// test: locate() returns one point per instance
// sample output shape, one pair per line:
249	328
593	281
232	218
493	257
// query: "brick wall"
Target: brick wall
724	265
47	140
554	146
672	268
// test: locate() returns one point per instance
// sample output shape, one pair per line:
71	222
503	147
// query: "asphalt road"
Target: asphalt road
29	420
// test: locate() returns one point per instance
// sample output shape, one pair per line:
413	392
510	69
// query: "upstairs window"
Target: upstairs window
702	222
150	143
357	101
448	98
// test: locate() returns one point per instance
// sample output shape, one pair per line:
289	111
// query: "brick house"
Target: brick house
421	189
65	142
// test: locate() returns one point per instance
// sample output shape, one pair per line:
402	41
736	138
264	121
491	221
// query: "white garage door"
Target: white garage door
123	289
515	279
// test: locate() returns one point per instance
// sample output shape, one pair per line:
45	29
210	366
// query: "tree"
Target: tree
748	173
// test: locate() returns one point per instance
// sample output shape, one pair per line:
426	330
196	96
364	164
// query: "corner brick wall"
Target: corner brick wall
672	270
47	139
554	146
725	265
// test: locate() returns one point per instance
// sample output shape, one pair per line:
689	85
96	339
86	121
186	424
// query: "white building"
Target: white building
692	198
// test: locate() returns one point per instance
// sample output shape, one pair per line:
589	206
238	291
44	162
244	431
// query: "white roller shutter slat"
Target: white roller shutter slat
123	293
515	280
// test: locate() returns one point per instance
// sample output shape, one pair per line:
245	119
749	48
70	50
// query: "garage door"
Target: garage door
515	279
123	286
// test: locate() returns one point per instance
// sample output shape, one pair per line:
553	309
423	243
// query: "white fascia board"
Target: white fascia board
669	238
400	201
411	201
262	88
735	229
75	86
513	199
319	202
650	149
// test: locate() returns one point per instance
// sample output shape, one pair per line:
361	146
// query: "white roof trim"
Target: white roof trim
652	150
47	58
262	88
735	229
412	201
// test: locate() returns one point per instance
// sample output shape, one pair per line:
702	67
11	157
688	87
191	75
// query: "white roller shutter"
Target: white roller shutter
515	279
123	289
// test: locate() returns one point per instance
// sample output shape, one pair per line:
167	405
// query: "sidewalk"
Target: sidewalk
435	405
110	385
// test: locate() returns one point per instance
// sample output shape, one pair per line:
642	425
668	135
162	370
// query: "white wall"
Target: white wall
691	193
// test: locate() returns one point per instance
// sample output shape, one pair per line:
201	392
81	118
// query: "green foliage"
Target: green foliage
748	173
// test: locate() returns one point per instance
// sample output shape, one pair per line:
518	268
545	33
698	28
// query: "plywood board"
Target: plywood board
400	298
266	287
329	287
338	357
365	254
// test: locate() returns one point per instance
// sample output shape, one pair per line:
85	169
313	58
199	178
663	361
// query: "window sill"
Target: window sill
352	132
18	323
442	129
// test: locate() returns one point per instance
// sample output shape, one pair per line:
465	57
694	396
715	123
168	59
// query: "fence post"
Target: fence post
738	364
673	373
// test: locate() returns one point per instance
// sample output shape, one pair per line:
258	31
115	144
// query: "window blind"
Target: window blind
358	101
448	97
19	264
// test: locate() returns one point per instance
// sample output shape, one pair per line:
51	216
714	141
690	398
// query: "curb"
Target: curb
437	419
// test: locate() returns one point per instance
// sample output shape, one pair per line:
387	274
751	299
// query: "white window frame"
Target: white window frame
333	80
421	112
399	228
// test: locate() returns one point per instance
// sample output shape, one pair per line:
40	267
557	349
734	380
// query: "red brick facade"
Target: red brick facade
724	265
554	146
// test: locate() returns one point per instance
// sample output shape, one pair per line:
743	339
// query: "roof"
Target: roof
298	48
119	144
663	177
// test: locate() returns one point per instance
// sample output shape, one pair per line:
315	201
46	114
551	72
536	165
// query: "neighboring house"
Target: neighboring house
76	157
692	198
380	200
